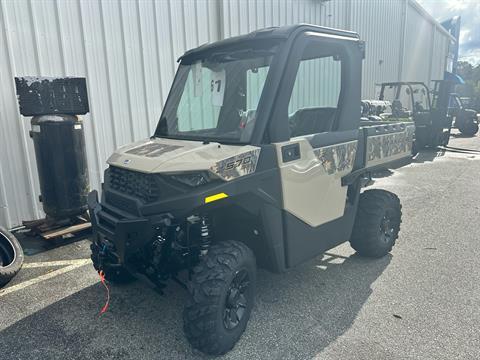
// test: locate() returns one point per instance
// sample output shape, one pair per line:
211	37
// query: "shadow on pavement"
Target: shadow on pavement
428	155
33	245
296	316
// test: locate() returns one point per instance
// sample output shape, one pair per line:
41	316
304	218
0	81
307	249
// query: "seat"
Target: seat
397	108
312	120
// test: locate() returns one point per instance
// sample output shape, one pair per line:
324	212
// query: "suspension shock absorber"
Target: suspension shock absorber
205	235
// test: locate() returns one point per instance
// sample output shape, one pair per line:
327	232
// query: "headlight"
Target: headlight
195	179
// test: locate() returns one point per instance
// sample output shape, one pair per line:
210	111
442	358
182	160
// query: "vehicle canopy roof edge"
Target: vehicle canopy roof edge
274	32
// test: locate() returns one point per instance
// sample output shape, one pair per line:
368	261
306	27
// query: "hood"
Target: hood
161	155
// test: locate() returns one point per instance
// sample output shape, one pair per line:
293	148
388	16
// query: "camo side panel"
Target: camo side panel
388	147
237	166
338	158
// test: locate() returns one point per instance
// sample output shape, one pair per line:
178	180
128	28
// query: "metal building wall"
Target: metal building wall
426	44
381	28
127	50
419	36
440	46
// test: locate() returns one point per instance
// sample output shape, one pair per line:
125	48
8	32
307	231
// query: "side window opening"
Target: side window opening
313	106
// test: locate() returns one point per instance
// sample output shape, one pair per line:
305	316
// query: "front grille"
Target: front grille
142	186
121	202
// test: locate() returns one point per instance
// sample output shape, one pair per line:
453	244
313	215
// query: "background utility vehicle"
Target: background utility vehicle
464	119
258	160
413	101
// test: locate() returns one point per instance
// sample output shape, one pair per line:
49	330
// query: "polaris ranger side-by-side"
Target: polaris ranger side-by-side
258	159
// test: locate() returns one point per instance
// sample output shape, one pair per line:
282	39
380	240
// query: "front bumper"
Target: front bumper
124	237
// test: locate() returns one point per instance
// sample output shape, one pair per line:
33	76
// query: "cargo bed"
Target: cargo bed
382	145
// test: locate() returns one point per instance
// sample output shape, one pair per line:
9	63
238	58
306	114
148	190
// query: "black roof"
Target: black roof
404	83
275	32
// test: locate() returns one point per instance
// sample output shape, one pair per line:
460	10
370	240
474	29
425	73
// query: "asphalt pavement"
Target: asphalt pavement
420	302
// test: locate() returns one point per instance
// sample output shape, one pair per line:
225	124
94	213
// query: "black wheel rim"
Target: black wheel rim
7	252
237	300
387	229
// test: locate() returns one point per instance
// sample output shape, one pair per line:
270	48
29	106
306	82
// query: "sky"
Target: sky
469	10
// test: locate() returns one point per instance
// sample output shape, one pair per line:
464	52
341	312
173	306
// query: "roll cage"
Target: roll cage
410	86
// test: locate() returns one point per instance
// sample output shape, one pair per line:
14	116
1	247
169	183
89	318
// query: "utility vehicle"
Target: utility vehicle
413	101
464	119
258	159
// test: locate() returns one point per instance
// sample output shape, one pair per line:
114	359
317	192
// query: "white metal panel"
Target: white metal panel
417	47
439	55
127	50
379	24
16	152
240	16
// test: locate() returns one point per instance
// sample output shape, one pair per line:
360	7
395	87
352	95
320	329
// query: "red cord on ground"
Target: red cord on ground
102	280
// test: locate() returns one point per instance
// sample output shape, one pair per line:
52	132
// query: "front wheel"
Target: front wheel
222	297
377	223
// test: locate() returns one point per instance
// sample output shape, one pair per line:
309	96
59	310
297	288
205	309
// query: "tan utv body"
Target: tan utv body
258	160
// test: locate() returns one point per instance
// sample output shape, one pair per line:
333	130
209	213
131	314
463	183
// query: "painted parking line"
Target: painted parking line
79	262
69	266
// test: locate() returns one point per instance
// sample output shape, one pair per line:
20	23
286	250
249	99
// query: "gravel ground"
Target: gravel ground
420	302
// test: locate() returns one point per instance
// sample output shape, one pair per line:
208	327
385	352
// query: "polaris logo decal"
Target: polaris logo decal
153	149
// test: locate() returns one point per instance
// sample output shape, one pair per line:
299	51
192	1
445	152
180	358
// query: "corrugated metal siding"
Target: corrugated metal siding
440	48
417	47
240	16
127	50
381	28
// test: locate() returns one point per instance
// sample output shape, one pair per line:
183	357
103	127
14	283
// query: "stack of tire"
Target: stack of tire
11	256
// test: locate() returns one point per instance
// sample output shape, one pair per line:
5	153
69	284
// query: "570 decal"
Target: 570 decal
238	163
237	166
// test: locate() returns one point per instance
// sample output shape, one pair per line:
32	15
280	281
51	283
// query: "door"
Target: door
322	149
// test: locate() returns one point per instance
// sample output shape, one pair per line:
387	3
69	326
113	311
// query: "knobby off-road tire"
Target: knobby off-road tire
377	223
11	256
468	128
115	275
222	297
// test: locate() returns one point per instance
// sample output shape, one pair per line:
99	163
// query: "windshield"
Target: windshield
420	98
400	95
216	98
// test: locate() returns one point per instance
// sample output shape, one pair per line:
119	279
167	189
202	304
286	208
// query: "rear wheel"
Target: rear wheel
222	296
377	223
468	128
11	256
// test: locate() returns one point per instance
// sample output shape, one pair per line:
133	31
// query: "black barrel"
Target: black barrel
62	164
